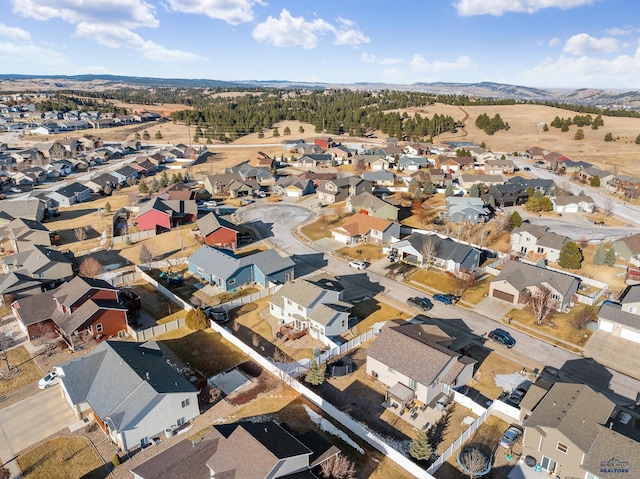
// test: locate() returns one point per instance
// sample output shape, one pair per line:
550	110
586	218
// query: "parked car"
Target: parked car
503	337
15	190
510	436
445	298
358	264
246	201
421	303
515	398
526	168
210	204
49	380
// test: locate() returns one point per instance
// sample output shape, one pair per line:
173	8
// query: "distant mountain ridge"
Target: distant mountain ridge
620	98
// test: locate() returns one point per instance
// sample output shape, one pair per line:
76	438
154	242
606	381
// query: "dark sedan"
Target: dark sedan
421	303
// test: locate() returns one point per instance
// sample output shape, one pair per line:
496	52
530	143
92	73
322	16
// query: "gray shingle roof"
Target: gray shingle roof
613	448
575	410
613	312
446	248
122	380
522	275
211	222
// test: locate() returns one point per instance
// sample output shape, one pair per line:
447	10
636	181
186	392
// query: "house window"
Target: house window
540	250
528	239
289	302
633	310
99	328
232	281
180	422
186	402
555	296
562	447
413	384
548	464
374	374
299	308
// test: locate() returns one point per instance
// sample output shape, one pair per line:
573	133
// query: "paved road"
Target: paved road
464	324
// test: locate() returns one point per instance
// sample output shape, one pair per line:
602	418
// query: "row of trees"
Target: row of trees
491	125
578	120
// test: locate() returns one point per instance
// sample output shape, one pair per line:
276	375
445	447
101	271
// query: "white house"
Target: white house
573	204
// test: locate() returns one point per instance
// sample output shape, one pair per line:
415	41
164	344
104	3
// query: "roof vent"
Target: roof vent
147	374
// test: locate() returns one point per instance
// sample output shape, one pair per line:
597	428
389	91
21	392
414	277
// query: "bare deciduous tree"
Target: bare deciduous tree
474	461
133	198
464	282
145	255
81	233
429	251
45	333
584	316
338	467
542	304
90	268
608	208
338	210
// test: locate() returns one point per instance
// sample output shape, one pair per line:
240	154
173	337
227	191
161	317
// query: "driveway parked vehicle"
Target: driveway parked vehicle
49	380
210	204
445	298
510	436
421	303
358	264
503	337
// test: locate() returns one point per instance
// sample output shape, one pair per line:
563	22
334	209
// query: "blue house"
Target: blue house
228	271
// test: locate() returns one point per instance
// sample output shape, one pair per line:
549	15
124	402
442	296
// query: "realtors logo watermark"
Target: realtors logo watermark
614	466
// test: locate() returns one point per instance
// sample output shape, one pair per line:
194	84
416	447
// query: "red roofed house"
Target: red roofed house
162	215
217	231
363	228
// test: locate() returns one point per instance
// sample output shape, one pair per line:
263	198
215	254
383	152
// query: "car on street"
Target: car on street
510	436
503	337
358	264
445	298
49	380
526	168
421	303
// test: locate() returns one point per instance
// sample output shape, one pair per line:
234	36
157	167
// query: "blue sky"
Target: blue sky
545	43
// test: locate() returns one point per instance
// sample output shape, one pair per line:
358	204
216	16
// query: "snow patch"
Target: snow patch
327	426
508	382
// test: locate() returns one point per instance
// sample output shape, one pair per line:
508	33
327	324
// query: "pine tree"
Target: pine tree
301	129
164	179
474	191
155	186
427	188
143	187
420	448
638	140
315	374
579	134
533	205
276	133
146	135
136	136
287	131
599	257
515	220
610	257
448	191
545	127
570	256
158	135
107	207
595	181
608	137
545	203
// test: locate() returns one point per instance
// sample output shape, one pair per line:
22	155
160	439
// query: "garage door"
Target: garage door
606	326
630	335
502	295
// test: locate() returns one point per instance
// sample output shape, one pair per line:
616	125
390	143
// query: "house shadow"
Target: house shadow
99	472
308	263
73	214
358	286
588	371
260	229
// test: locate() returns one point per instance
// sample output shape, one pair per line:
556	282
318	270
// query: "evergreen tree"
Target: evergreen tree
136	136
579	134
557	122
515	220
107	207
420	448
315	374
599	256
145	135
474	191
428	188
155	186
595	181
143	187
186	178
530	191
608	137
164	179
448	191
545	127
301	129
276	133
545	204
610	257
174	179
158	135
570	256
533	205
638	140
287	131
260	134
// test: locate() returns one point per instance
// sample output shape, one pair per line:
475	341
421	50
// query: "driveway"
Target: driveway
32	420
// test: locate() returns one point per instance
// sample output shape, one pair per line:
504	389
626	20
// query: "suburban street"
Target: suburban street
279	220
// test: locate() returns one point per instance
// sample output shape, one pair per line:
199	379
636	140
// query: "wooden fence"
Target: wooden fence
133	237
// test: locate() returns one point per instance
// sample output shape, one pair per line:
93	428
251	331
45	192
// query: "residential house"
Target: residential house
30	209
50	149
518	282
79	306
537	242
380	178
22	235
216	231
628	248
454	163
230	272
293	187
222	450
292	145
480	155
163	215
416	362
104	182
363	228
544	186
587	174
439	178
125	174
570	433
390	152
626	185
573	204
324	143
263	161
440	252
60	168
148	398
229	184
372	205
340	153
16	285
335	191
315	161
372	162
570	167
262	176
412	163
44	263
509	194
553	159
467	180
417	149
318	178
70	195
314	304
535	153
622	319
466	209
177	191
499	167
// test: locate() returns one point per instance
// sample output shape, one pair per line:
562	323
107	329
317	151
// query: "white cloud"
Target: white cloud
348	33
289	31
554	41
583	44
499	7
116	37
29	56
568	71
233	12
16	34
123	13
420	64
619	32
371	58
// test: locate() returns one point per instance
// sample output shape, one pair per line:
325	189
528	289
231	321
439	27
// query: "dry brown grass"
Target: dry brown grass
321	228
372	311
434	280
477	292
362	252
29	370
491	364
68	457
